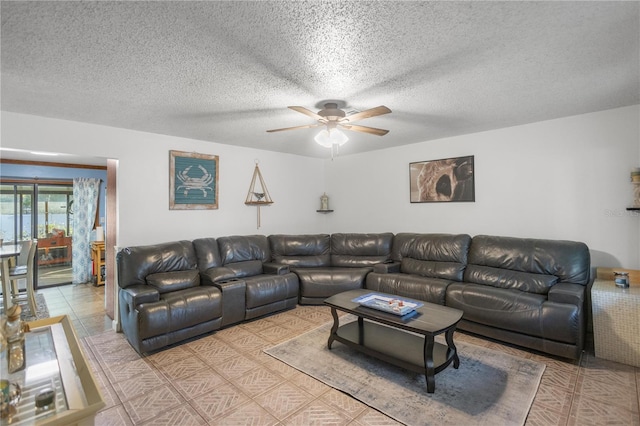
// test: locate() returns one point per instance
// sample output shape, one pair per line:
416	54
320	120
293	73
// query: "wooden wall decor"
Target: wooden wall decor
193	181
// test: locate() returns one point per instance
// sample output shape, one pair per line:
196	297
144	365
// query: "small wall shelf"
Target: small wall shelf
258	199
633	209
324	211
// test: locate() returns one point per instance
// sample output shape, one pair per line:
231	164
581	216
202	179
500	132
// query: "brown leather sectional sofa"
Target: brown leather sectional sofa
523	291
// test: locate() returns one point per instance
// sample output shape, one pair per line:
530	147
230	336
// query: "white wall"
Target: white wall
295	183
560	179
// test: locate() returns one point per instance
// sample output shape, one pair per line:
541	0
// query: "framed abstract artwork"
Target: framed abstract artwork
445	180
193	181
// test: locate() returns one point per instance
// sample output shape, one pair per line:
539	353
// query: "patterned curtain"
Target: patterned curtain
85	204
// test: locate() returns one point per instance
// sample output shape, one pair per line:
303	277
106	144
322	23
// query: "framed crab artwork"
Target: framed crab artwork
193	181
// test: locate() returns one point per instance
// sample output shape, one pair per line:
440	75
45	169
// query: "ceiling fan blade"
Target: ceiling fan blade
365	129
366	114
307	112
307	126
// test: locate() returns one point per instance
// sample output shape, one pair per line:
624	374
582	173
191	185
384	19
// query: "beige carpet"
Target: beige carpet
489	388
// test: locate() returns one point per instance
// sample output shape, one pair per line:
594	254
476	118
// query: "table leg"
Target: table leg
334	328
429	370
452	347
6	284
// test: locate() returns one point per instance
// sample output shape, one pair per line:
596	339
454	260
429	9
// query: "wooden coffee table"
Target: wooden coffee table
391	338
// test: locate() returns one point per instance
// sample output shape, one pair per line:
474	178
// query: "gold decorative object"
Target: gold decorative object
258	194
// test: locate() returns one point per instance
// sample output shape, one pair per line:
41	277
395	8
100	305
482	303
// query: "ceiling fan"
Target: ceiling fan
333	117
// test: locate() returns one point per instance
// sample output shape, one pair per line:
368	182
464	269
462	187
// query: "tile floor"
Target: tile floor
226	379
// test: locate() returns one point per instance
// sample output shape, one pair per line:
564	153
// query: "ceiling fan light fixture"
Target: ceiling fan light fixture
331	137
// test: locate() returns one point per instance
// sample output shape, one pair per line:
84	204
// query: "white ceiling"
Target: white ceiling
226	71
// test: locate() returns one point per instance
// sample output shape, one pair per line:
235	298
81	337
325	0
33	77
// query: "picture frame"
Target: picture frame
443	180
193	181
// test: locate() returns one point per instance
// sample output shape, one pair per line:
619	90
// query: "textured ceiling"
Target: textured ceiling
226	71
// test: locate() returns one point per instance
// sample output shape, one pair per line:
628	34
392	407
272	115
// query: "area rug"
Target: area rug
489	388
42	311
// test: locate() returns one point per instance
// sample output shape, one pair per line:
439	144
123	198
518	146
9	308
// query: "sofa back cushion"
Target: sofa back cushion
432	255
305	251
242	248
358	250
136	263
166	282
527	264
207	253
506	278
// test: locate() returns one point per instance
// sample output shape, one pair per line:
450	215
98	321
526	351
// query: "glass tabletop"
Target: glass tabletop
46	368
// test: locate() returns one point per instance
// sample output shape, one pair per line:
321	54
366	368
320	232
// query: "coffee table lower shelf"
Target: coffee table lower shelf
397	347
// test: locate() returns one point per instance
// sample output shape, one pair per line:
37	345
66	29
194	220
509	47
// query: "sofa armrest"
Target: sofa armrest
275	268
567	293
233	297
217	275
387	267
140	293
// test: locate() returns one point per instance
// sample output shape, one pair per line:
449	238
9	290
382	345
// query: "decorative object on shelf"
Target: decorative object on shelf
635	181
193	181
449	179
258	194
621	278
324	202
99	233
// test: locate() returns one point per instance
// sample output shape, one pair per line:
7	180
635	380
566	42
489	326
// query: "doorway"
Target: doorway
44	211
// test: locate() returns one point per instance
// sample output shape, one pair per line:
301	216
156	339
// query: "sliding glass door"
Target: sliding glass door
54	224
43	211
16	207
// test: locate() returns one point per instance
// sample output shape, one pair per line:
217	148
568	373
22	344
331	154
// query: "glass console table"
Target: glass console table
55	361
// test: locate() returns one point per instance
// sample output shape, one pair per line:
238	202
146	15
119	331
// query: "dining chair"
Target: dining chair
24	269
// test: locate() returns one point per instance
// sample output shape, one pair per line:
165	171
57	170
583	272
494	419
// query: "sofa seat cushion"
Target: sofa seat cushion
265	289
179	309
516	311
325	282
166	282
427	289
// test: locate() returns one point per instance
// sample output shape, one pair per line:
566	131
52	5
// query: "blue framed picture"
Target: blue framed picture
193	181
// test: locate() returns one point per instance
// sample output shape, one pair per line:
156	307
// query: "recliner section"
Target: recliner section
423	266
161	297
251	286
